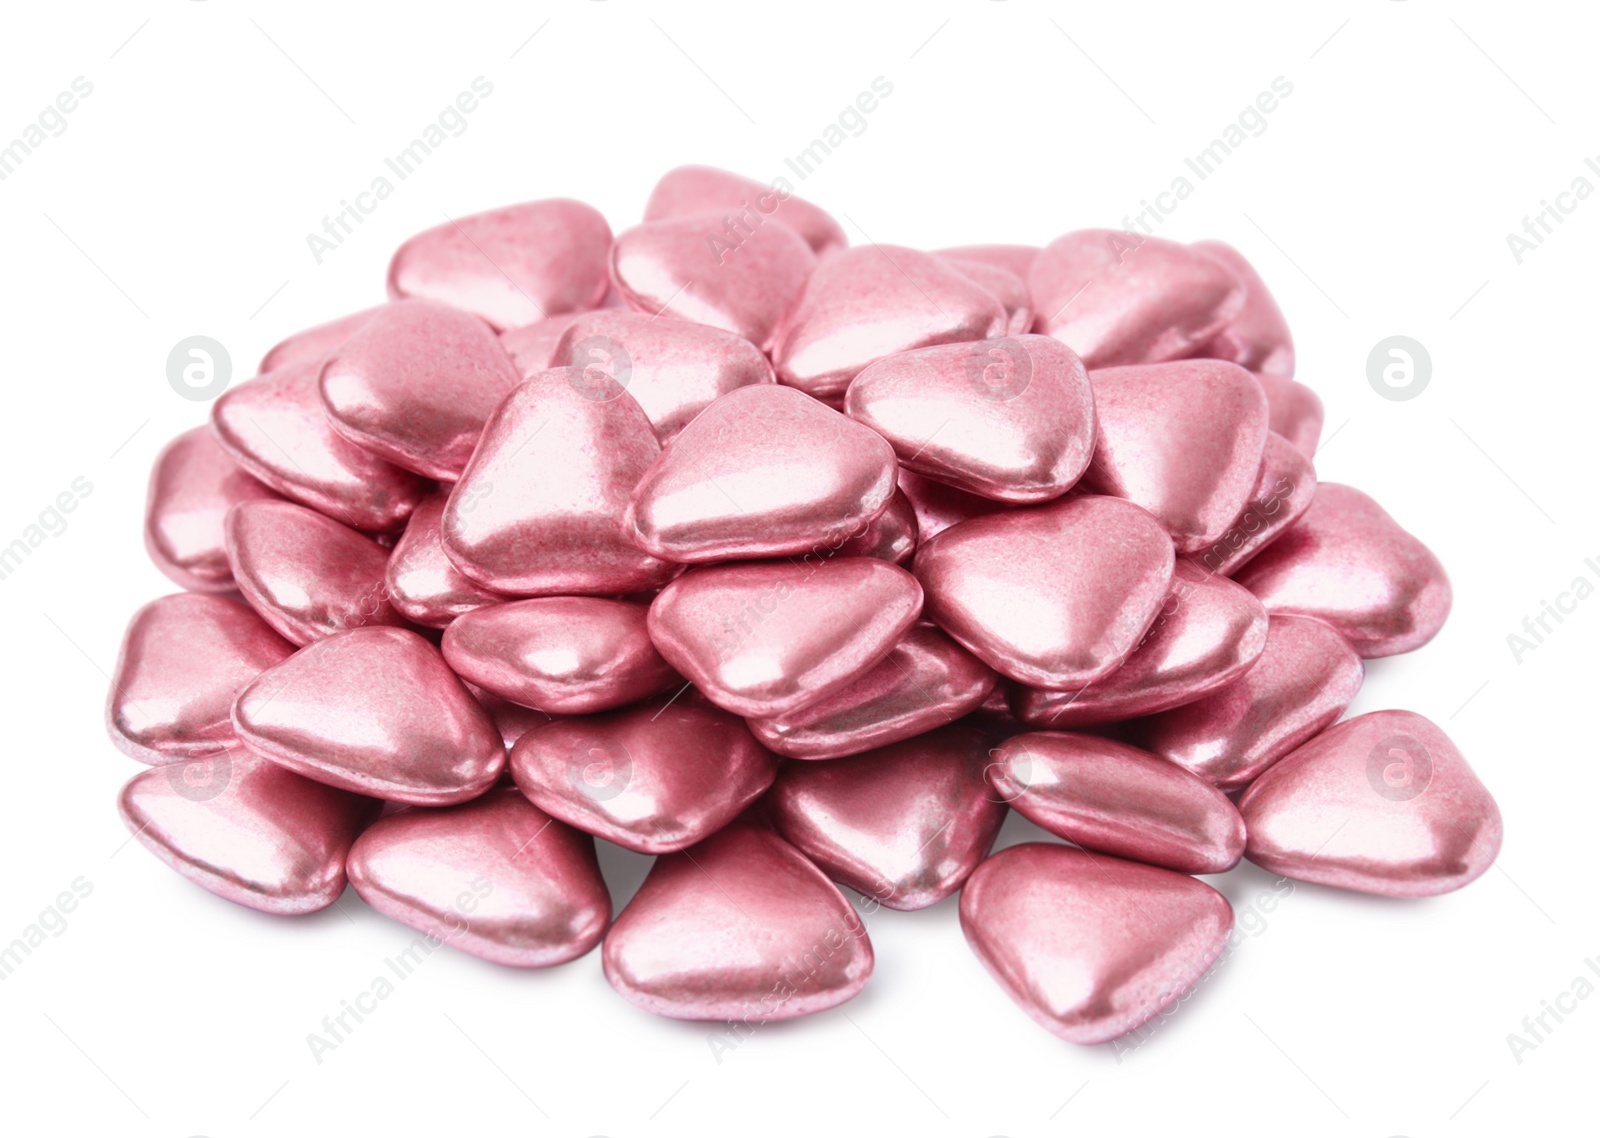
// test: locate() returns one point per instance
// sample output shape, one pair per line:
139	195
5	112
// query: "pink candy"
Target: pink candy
798	564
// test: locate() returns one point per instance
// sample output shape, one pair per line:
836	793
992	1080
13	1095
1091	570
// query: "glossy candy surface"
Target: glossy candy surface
768	638
422	583
763	472
416	384
1056	596
1090	946
510	266
1011	419
702	189
1108	796
872	301
1207	634
538	510
742	928
926	681
651	779
247	829
1303	681
1258	336
496	877
1347	562
902	825
562	655
193	485
305	574
376	711
184	660
1382	803
275	427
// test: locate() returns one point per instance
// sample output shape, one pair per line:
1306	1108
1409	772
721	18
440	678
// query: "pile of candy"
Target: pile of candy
792	563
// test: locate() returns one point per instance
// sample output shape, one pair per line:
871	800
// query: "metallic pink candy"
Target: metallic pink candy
1347	562
510	266
744	203
653	779
1090	946
193	485
496	877
1383	803
741	928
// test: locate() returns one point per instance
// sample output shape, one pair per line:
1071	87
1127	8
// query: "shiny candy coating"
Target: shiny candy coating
496	877
305	574
1056	596
1090	946
765	471
651	779
511	266
1285	485
769	638
1303	681
416	384
1208	633
1184	440
532	347
184	660
902	825
1005	286
1011	419
672	368
562	655
247	829
1117	298
674	267
1346	561
872	301
926	681
739	928
891	536
376	711
312	345
275	427
1108	796
422	583
1295	412
1382	803
703	189
539	508
937	507
1258	336
193	485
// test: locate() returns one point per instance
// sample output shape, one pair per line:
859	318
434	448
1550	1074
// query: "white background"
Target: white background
1377	202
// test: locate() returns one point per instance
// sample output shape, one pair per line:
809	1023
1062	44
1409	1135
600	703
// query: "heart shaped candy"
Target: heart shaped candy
1382	803
423	584
1118	298
1258	336
511	266
872	301
744	202
1090	946
376	711
651	779
1011	419
1346	561
416	384
765	471
497	877
768	638
740	928
539	508
1056	596
686	267
193	485
902	825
